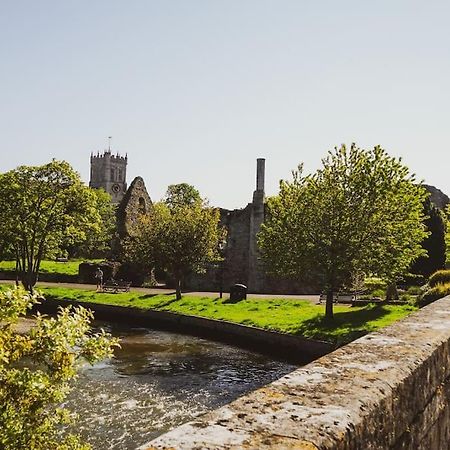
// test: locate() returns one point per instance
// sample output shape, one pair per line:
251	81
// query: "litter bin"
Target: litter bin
238	292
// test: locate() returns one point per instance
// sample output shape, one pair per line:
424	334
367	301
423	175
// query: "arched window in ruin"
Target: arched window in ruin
142	206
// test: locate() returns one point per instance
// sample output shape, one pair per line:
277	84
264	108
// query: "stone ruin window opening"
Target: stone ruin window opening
142	206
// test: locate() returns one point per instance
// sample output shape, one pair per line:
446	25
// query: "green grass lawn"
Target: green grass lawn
66	268
297	317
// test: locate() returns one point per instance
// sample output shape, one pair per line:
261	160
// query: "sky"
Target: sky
195	90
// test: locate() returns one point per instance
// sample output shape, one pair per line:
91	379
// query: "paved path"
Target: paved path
154	291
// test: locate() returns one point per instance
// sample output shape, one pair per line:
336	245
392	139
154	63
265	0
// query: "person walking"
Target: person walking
99	278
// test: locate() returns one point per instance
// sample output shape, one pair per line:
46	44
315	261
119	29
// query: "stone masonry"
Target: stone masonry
389	390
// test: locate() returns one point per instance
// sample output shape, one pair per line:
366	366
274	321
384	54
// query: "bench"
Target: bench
341	297
115	287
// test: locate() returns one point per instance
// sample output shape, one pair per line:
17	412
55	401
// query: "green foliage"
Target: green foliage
447	234
414	290
97	242
177	239
40	206
36	368
297	317
360	213
182	194
433	244
439	277
51	267
434	293
374	283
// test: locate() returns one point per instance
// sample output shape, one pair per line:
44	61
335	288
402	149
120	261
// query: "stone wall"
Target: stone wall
135	203
387	390
242	263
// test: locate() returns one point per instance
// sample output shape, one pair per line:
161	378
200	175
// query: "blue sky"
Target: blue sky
196	90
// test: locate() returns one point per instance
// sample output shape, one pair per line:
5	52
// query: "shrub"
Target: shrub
372	284
439	277
36	368
407	298
414	290
434	243
411	279
434	293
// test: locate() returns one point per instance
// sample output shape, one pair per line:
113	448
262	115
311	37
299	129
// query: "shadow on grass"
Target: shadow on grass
165	303
346	325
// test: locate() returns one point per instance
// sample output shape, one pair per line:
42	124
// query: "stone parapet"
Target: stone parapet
387	390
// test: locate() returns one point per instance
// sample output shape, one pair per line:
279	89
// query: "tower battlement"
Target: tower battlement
108	172
107	154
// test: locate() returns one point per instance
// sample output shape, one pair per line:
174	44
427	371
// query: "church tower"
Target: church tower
109	172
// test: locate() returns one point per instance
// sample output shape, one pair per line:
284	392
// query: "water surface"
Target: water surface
159	380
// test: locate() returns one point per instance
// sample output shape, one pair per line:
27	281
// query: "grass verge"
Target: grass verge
64	268
296	317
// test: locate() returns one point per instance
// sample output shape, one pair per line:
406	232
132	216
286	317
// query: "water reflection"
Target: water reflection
159	380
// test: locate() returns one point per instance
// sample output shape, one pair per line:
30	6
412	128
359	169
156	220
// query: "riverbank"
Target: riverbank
293	317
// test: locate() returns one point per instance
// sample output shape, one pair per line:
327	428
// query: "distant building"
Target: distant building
109	172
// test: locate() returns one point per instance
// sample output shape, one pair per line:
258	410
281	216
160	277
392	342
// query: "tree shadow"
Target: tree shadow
351	323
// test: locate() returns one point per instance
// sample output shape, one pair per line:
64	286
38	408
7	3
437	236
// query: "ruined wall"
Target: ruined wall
242	263
135	203
387	390
234	268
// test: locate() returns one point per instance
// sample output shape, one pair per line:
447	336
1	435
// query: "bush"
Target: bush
36	369
434	293
374	284
414	290
439	277
411	279
407	298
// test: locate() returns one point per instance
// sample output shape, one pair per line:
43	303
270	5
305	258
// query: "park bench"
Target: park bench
341	297
114	287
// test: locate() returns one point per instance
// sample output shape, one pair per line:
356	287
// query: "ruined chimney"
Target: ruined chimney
258	194
260	172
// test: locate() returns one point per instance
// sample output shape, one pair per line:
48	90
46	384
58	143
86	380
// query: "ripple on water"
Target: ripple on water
159	380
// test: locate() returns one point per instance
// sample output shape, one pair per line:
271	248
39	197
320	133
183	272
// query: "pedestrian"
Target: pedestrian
99	278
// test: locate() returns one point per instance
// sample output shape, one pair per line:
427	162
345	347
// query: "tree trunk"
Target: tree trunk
391	291
329	304
17	273
178	288
29	280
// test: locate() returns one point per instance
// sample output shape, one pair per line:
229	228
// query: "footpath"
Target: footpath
155	291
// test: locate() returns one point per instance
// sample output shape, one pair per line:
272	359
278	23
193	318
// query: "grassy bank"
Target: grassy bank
53	267
297	317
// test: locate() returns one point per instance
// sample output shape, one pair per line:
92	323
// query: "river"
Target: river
159	380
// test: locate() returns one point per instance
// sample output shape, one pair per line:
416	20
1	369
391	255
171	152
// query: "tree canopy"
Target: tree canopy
96	243
179	237
41	207
182	194
433	244
360	212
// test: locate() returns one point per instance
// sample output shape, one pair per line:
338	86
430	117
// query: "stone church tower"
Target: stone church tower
109	172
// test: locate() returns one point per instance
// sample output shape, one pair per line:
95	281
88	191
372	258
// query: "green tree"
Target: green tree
182	194
361	212
36	370
434	243
39	207
178	239
447	234
95	240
